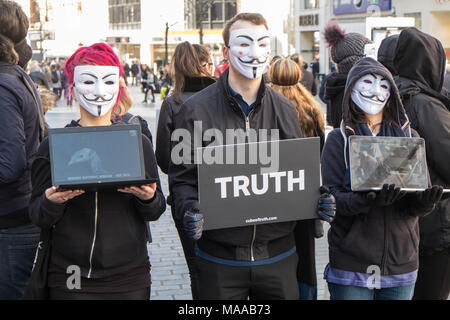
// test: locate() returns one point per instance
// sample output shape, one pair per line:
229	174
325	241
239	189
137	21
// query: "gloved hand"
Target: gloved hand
429	197
387	196
326	206
193	224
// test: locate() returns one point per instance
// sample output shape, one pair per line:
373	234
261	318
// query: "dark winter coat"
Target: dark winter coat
363	233
166	122
420	61
104	232
334	93
218	109
19	142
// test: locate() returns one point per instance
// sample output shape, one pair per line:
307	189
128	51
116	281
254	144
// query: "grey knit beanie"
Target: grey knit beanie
346	49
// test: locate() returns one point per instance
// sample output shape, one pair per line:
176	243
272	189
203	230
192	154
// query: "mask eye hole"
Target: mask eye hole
367	81
384	86
110	83
245	45
88	82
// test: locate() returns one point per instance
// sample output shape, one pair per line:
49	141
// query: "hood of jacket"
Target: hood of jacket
371	66
420	57
386	53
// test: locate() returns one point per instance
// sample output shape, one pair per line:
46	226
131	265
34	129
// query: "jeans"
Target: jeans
17	251
341	292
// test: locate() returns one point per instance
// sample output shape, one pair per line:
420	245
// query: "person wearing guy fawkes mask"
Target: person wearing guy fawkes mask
371	230
254	262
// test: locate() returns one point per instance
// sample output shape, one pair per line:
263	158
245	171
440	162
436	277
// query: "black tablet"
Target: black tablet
95	157
375	161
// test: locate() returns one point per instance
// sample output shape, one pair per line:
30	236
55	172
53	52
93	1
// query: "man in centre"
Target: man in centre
259	261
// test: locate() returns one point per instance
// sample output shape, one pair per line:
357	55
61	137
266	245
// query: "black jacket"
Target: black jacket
334	93
19	141
166	122
365	234
420	62
216	108
104	232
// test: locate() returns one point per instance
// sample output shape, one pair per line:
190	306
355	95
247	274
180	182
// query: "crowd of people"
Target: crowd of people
44	230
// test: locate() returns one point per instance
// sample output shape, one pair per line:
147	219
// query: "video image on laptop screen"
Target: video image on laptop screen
95	156
375	161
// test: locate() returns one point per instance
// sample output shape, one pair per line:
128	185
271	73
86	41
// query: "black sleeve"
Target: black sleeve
163	136
151	210
183	176
314	87
348	203
43	212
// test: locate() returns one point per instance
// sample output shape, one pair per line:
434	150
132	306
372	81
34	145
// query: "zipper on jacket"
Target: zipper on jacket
247	129
95	235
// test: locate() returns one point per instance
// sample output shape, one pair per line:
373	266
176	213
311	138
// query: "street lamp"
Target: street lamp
166	42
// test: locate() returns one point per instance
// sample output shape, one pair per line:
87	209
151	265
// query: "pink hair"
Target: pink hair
98	54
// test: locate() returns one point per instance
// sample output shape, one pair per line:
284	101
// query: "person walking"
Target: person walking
102	232
190	77
21	129
372	231
346	50
420	63
56	80
253	262
135	71
285	75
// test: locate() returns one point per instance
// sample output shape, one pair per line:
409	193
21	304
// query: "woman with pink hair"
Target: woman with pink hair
103	233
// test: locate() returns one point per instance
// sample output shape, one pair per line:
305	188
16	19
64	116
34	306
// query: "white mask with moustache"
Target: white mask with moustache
96	88
371	93
250	51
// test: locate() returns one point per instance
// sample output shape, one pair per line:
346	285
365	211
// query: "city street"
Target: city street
170	277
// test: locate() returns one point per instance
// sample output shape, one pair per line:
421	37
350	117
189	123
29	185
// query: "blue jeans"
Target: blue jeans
341	292
17	251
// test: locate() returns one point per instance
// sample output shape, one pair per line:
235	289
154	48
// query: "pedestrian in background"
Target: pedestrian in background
307	78
21	129
371	229
135	71
420	63
346	49
250	262
190	76
285	75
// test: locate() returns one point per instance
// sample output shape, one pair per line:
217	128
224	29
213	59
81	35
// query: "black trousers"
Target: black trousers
433	280
275	281
57	294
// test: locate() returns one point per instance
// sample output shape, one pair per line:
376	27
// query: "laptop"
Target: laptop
375	161
98	157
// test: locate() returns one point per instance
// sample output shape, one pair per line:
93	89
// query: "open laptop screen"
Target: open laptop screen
375	161
96	155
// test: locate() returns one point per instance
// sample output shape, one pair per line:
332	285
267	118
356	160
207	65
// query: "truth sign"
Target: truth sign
253	191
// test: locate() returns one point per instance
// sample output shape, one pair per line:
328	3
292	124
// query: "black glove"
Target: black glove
326	206
387	196
429	197
193	224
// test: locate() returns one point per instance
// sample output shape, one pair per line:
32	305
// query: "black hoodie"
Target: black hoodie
420	62
365	234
